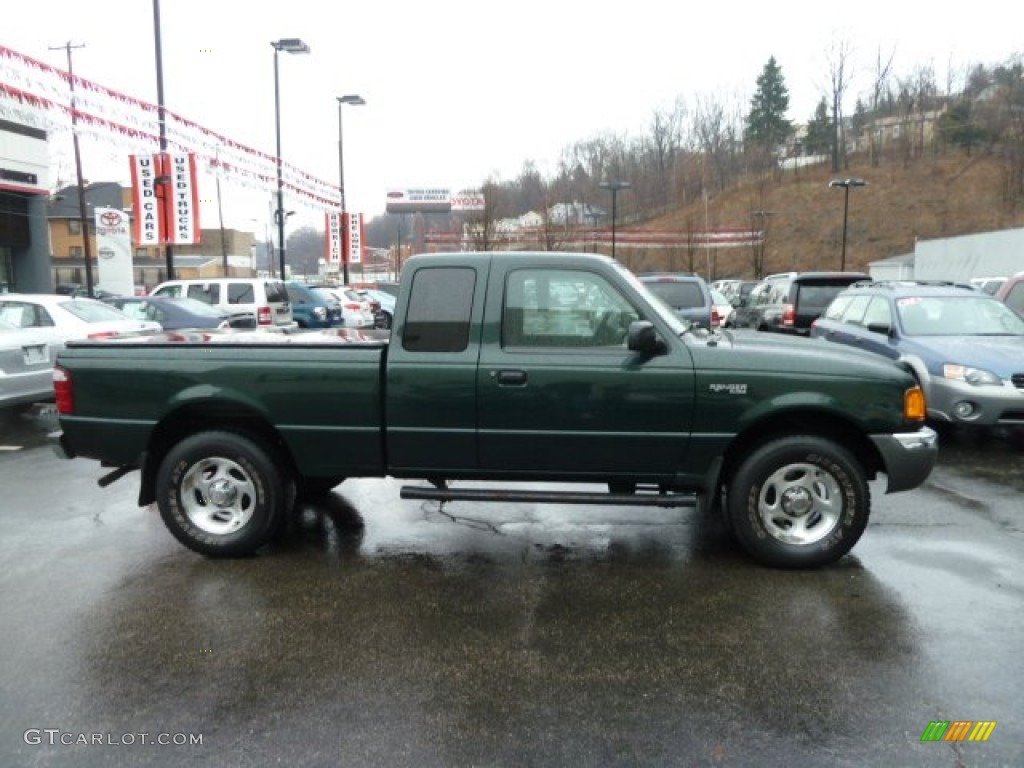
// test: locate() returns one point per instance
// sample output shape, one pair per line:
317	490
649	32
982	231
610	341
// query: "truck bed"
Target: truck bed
324	390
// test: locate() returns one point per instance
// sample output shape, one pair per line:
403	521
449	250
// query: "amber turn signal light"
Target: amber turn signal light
914	406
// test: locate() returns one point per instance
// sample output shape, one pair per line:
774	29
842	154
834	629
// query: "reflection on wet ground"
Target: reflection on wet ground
993	454
382	631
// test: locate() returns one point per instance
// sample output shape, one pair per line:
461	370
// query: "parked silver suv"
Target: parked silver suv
265	297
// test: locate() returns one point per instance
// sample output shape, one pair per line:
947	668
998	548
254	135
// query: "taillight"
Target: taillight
789	315
353	306
102	335
716	319
63	391
264	316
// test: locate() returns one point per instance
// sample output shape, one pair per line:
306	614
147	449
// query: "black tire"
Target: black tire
383	320
798	502
221	494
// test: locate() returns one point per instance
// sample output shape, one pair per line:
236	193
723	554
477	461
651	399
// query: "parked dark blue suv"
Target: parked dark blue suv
966	347
313	307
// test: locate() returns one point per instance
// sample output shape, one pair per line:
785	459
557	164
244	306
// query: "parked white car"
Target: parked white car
384	312
355	309
26	364
264	297
722	312
71	318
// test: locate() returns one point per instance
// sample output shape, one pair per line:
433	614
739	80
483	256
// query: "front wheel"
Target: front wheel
221	493
799	502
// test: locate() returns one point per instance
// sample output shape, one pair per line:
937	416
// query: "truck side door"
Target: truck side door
559	393
430	407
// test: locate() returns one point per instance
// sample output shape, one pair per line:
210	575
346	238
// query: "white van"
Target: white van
265	297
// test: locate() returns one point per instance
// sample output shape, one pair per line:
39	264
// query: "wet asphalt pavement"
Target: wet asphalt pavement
387	632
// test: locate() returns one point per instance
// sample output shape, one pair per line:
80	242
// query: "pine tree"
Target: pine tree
767	125
819	131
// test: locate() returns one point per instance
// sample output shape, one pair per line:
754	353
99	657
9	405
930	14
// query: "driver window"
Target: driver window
878	313
563	308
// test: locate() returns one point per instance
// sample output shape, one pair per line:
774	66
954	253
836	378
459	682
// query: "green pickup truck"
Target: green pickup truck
503	367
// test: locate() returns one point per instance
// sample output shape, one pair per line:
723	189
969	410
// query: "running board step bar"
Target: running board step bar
549	497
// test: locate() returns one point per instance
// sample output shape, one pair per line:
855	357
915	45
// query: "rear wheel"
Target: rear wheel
798	502
221	493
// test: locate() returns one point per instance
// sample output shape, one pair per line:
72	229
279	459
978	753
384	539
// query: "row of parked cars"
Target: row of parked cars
275	303
34	327
965	344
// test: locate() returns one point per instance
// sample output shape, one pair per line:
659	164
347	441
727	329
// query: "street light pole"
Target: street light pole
291	45
614	186
845	184
357	101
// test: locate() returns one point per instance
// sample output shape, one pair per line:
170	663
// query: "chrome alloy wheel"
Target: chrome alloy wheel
800	504
218	495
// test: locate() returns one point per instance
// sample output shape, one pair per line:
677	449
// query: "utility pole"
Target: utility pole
163	182
83	218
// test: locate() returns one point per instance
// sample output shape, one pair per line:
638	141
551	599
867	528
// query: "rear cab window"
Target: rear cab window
440	310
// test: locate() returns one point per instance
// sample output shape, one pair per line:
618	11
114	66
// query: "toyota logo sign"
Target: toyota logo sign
110	218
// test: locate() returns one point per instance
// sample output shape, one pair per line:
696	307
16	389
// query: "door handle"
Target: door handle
510	378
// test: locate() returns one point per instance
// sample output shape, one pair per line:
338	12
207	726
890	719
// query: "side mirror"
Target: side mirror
883	328
644	339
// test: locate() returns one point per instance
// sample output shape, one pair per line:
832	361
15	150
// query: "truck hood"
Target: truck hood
779	353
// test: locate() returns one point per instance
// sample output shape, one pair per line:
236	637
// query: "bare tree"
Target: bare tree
666	132
879	86
718	135
840	74
480	227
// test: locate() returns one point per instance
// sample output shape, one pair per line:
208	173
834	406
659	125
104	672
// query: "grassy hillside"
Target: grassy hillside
933	197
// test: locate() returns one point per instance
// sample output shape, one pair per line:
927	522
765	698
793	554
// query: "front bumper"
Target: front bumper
909	457
988	405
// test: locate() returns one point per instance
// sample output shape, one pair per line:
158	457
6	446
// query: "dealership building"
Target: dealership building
24	236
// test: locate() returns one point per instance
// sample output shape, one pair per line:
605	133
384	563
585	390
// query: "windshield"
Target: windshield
325	295
92	311
665	313
979	315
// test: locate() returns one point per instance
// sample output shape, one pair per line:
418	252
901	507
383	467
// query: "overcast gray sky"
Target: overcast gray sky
458	91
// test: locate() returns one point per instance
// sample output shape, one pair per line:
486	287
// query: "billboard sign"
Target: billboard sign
469	200
419	200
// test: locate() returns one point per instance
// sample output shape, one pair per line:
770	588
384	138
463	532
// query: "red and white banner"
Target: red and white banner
166	211
35	94
148	228
332	227
354	238
183	203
